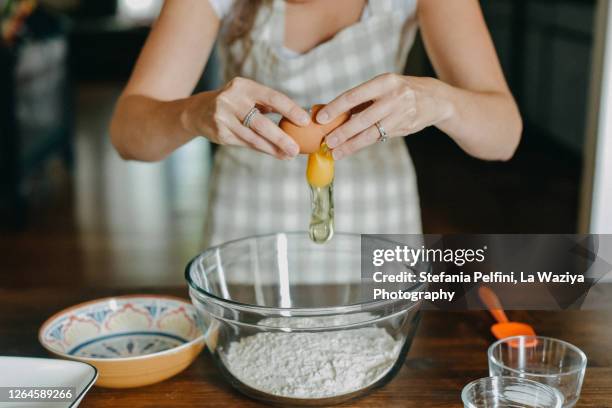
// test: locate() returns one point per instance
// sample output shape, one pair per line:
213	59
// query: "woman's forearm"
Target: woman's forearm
147	129
485	121
486	125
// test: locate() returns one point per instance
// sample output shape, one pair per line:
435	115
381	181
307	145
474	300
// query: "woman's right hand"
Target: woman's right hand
219	115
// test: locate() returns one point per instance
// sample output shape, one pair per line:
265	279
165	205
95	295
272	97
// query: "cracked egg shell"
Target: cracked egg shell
310	137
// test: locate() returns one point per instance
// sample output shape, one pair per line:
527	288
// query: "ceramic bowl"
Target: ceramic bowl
132	340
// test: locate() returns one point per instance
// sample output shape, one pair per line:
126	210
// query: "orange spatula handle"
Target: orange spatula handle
491	301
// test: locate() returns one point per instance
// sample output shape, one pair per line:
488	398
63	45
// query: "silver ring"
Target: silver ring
249	117
383	133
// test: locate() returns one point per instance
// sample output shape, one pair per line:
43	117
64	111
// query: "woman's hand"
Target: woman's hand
470	102
402	105
219	116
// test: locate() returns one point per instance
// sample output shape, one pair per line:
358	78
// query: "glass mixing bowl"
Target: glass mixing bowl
292	322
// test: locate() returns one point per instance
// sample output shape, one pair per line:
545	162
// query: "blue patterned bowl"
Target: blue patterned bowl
132	340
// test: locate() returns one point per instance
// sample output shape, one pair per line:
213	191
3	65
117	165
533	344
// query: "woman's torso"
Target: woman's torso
375	189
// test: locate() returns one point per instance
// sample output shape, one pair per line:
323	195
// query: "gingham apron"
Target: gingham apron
375	190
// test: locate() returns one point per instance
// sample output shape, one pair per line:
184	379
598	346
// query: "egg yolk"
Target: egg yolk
320	169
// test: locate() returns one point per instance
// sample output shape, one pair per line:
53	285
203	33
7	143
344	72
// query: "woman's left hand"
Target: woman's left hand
402	105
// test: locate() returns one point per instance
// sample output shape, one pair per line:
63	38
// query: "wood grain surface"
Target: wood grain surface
448	352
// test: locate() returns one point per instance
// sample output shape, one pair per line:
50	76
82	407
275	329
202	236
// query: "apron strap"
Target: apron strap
277	23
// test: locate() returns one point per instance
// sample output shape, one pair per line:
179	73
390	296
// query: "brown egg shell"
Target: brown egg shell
310	137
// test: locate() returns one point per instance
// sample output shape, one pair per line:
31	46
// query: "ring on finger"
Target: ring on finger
383	133
249	117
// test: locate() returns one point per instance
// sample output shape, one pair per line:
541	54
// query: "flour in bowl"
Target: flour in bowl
312	365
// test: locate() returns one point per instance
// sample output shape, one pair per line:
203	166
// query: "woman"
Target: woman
284	55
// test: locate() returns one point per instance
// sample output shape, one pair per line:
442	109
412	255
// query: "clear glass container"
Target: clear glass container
543	359
509	392
282	285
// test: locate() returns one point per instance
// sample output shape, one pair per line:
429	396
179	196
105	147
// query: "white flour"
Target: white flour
312	365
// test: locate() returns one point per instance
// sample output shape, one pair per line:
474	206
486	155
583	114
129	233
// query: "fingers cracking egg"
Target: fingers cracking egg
320	170
310	137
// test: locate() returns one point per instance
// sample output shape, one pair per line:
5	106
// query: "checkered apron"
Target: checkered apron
375	190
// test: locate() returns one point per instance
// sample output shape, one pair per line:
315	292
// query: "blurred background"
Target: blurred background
72	212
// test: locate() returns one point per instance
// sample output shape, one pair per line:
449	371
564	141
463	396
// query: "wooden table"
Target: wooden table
448	352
